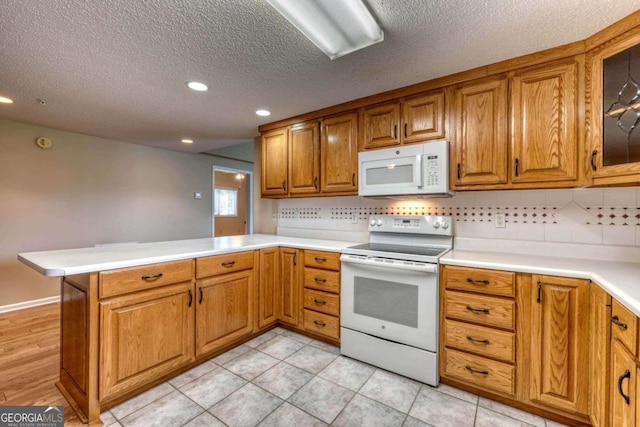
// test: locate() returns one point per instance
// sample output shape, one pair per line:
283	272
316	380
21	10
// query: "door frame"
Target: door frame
249	228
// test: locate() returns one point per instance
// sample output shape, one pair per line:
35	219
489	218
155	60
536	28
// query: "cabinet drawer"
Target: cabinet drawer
322	301
322	324
479	371
222	264
493	282
624	326
320	259
479	339
480	309
125	280
322	280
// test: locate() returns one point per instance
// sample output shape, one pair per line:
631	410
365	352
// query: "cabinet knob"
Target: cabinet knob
616	321
476	371
594	153
626	374
152	278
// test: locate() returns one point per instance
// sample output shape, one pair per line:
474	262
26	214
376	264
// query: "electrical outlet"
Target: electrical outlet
499	221
197	196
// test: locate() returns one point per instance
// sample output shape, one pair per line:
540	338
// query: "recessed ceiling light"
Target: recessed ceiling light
6	100
200	87
263	112
187	141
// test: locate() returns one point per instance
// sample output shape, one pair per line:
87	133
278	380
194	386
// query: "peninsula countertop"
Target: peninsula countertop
86	260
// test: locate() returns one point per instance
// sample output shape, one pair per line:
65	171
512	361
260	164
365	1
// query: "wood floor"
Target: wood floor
30	359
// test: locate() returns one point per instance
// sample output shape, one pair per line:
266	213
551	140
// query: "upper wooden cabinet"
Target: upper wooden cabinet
518	130
304	158
414	119
275	155
613	141
339	154
479	143
291	160
544	114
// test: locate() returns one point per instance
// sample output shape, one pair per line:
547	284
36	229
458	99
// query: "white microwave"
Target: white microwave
412	170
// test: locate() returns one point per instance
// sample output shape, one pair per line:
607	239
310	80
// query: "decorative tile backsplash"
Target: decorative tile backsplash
598	216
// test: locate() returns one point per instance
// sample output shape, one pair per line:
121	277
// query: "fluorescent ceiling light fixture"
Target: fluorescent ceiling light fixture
6	100
187	141
337	27
200	87
263	113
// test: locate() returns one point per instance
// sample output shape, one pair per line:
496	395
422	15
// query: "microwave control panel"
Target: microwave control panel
432	169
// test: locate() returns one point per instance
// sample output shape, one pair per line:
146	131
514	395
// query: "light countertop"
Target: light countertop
618	278
86	260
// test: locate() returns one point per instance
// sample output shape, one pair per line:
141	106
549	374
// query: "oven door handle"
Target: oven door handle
384	263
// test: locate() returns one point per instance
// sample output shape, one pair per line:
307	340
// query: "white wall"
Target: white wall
87	190
601	216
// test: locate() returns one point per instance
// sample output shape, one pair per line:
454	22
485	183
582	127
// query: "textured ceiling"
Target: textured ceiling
117	68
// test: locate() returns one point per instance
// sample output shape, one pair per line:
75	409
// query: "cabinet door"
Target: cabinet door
560	343
380	126
544	137
480	135
268	287
289	304
614	154
339	153
423	118
304	158
224	310
274	163
623	386
144	336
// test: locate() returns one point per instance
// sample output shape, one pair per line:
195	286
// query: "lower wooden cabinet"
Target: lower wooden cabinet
523	338
321	294
558	348
132	353
224	310
268	287
289	292
623	386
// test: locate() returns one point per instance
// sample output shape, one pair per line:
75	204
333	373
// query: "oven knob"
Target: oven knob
379	223
436	225
372	222
445	225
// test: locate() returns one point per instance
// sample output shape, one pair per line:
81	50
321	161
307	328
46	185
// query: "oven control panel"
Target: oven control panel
425	224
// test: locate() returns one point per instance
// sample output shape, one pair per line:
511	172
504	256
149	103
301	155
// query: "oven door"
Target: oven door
393	300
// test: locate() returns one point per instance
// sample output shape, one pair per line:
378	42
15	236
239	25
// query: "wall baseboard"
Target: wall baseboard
28	304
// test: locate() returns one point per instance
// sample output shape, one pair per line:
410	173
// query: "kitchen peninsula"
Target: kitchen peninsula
134	315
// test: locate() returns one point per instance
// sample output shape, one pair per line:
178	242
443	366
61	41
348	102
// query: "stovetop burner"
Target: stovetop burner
400	249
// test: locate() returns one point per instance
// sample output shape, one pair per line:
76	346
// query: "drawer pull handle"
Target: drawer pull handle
319	323
478	310
616	321
201	296
152	278
320	280
472	339
477	282
319	302
320	259
190	297
594	153
228	264
475	371
621	378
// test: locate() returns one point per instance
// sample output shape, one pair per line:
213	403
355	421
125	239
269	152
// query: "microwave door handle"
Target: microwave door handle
417	171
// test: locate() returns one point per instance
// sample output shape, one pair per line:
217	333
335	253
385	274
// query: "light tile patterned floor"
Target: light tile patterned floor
284	379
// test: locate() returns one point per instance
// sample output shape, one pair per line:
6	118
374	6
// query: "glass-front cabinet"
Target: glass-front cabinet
613	111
